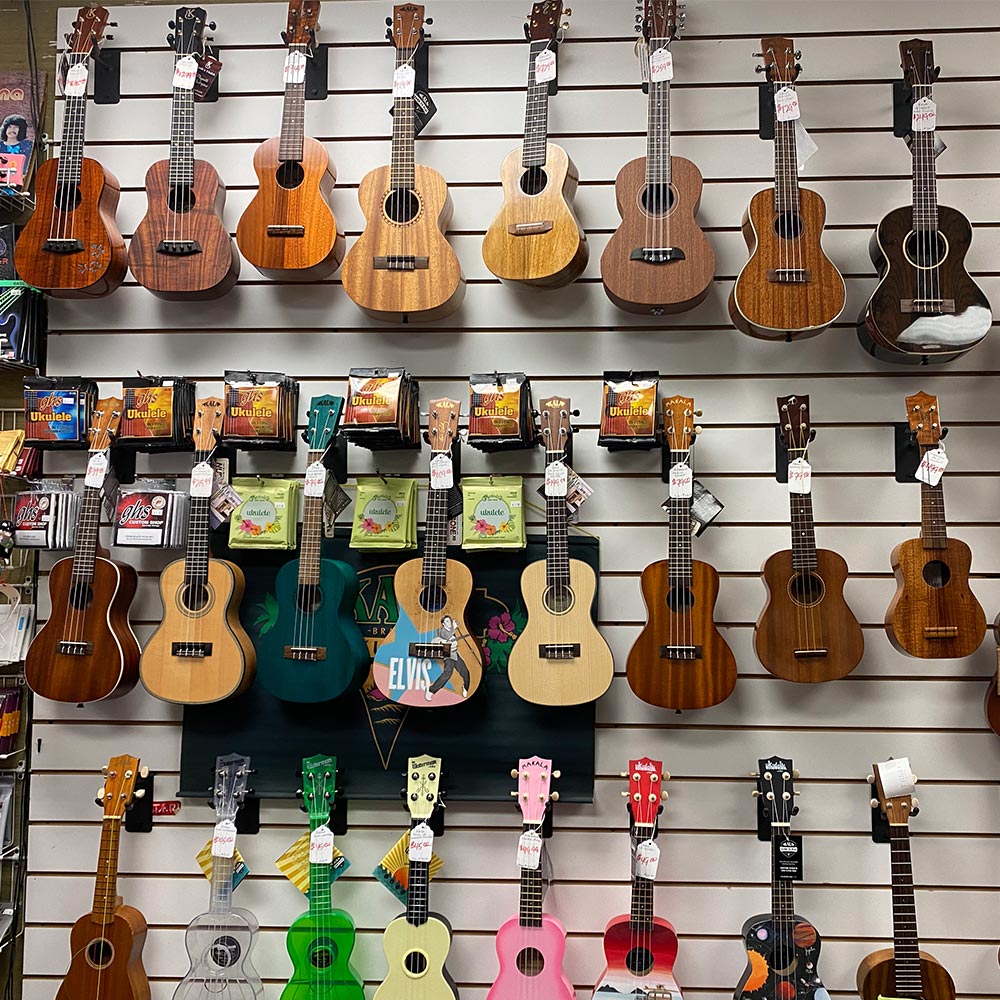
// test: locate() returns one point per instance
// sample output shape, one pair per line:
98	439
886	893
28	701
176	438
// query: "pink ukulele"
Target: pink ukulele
531	945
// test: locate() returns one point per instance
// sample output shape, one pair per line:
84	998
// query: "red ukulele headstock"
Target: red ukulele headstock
645	795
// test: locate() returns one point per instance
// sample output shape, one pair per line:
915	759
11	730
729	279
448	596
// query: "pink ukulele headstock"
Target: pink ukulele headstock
534	788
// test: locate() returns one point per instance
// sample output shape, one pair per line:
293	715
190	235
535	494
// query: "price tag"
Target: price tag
224	839
661	66
201	480
786	105
681	481
924	115
556	479
185	72
97	470
897	778
932	466
529	850
421	842
442	473
647	859
799	476
321	846
545	66
403	81
315	479
788	857
76	80
295	67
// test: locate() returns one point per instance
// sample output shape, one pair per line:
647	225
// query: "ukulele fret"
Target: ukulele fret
658	137
181	172
293	117
401	170
534	151
70	164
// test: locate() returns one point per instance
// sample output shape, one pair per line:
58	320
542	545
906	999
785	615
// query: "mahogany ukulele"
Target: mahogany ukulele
71	246
658	260
536	238
806	632
680	659
926	306
402	268
289	231
992	704
933	614
86	651
788	288
182	249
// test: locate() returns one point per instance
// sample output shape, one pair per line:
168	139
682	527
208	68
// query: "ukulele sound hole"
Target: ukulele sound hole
788	225
195	596
433	598
68	197
806	589
680	600
657	199
100	953
530	961
402	206
225	951
534	180
323	954
936	573
924	250
558	599
639	961
308	598
80	596
416	963
289	175
181	198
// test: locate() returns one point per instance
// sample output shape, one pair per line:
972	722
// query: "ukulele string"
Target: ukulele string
73	137
76	596
809	610
663	158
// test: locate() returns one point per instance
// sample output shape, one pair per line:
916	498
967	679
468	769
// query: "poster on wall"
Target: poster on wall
19	128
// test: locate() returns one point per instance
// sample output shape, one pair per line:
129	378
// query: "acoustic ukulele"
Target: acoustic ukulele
639	947
992	704
289	231
926	307
86	651
658	260
182	249
680	660
904	971
560	658
782	947
106	943
805	632
71	246
788	288
402	268
933	614
200	652
430	658
535	238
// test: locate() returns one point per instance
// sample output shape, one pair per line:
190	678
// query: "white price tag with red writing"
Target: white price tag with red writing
681	481
224	839
661	66
315	479
442	472
647	859
97	469
76	80
529	850
786	105
185	72
295	67
202	478
403	81
924	115
545	66
799	476
932	466
421	843
321	846
556	479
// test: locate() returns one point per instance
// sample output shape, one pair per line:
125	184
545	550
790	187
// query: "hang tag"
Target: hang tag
799	476
208	71
529	850
556	479
804	145
896	777
185	72
315	479
932	466
321	846
545	66
681	481
661	66
442	473
224	839
788	857
202	478
924	115
421	843
647	859
786	105
403	81
97	469
76	80
295	67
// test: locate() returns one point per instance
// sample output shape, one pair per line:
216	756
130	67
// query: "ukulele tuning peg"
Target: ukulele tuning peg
388	22
798	55
795	810
873	803
624	795
758	69
870	779
554	796
171	25
623	774
755	774
698	429
284	38
298	793
564	26
758	55
664	795
914	778
697	413
140	794
171	40
514	772
557	774
212	25
795	773
513	794
428	20
112	24
916	804
755	794
144	772
665	776
769	796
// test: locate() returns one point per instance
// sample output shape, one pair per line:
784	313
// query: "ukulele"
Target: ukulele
315	651
806	632
430	658
71	246
640	948
288	231
788	288
531	946
782	948
200	652
658	260
182	249
402	268
86	651
903	971
926	307
560	658
417	943
933	614
680	659
320	942
220	941
106	943
535	238
992	704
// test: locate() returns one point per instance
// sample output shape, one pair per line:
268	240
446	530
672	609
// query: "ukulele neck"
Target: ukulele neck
556	540
933	523
536	112
905	943
658	126
199	530
641	907
434	569
922	147
803	529
786	162
293	114
310	547
106	882
416	893
782	897
87	533
319	884
73	130
182	134
529	913
401	172
679	533
221	899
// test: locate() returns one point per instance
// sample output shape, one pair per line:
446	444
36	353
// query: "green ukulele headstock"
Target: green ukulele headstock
319	788
324	419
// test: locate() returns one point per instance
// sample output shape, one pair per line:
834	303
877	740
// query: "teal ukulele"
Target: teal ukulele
315	650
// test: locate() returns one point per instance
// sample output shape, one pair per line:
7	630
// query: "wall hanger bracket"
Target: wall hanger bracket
139	816
765	124
318	73
108	77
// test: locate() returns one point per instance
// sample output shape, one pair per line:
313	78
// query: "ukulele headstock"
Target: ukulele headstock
104	423
924	418
207	430
406	28
678	423
118	791
423	778
645	794
324	418
916	58
232	772
894	784
442	425
662	19
543	21
556	426
188	31
319	787
775	792
780	58
534	788
88	30
793	423
302	24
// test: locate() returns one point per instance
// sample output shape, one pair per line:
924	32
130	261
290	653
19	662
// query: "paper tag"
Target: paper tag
76	80
804	145
932	466
321	846
315	479
442	473
421	843
185	72
202	478
556	479
924	115
295	67
786	105
545	66
788	857
224	839
799	476
97	469
896	777
529	850
403	81
681	481
661	66
647	859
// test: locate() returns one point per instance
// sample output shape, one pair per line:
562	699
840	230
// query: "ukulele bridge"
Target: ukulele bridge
429	650
530	228
941	632
810	654
287	232
934	307
178	248
400	262
312	654
191	650
63	246
75	648
657	255
558	650
680	652
790	276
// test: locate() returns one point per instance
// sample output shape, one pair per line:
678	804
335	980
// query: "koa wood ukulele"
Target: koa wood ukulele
289	231
106	944
933	614
402	268
86	651
182	249
789	288
430	658
658	260
560	658
220	941
926	306
71	246
902	972
536	238
680	659
806	632
782	948
531	945
640	948
200	652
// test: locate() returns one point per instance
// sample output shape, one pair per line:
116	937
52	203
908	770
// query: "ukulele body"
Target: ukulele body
99	267
774	965
219	947
397	296
572	680
806	610
429	943
206	274
888	332
292	193
535	238
638	286
110	666
638	962
919	607
708	675
772	310
877	977
542	975
320	948
107	958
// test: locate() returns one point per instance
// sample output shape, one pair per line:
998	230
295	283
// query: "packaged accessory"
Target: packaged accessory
501	414
383	409
151	513
493	513
385	514
630	415
57	411
261	409
157	413
268	517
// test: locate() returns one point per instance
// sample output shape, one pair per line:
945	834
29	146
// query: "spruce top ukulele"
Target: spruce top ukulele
806	632
71	246
680	659
926	307
933	614
788	288
288	231
658	260
536	238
